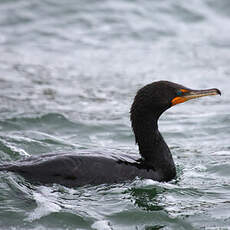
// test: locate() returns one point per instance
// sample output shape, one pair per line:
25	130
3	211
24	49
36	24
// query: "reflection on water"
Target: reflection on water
68	73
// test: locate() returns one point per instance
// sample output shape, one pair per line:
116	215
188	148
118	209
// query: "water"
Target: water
68	73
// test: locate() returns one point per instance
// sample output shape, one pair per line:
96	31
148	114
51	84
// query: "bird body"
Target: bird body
156	161
74	170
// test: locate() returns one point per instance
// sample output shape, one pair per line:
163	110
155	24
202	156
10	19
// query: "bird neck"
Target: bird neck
152	146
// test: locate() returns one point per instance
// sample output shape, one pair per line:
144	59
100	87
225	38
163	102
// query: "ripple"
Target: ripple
44	206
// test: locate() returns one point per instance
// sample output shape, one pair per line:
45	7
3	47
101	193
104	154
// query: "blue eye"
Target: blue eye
179	93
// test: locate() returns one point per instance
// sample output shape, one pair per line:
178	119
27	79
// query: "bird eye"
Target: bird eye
179	93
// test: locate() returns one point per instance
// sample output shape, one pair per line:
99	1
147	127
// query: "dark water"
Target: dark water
68	73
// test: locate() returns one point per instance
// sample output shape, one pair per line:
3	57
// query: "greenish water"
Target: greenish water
68	73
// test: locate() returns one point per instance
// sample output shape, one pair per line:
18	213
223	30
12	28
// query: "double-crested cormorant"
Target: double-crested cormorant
156	160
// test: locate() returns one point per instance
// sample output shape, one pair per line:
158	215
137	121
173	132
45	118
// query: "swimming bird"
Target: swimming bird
156	160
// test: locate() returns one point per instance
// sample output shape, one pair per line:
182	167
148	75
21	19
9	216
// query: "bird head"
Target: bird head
158	96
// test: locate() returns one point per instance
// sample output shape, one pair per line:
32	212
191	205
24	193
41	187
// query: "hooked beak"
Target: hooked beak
188	94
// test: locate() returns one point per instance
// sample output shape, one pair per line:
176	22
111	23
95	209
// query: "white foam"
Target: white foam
13	148
102	225
45	205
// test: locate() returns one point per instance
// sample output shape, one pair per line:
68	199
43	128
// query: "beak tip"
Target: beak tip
218	92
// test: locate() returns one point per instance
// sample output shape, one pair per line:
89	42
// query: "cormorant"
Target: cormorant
156	160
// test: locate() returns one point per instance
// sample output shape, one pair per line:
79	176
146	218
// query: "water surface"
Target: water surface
68	74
